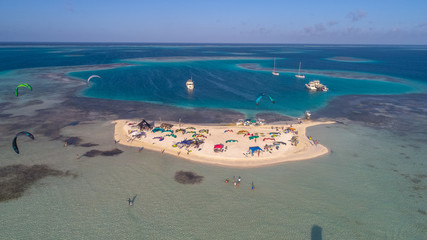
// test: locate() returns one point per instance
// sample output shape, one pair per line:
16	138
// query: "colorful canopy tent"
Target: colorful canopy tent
231	140
218	148
269	139
242	132
254	149
252	137
198	135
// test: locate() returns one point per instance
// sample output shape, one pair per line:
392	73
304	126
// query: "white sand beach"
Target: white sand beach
235	153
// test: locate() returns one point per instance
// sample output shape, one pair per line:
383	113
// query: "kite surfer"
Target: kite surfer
131	201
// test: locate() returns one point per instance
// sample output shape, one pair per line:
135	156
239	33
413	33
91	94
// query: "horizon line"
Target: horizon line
205	43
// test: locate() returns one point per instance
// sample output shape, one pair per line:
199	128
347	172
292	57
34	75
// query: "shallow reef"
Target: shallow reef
188	177
15	179
94	153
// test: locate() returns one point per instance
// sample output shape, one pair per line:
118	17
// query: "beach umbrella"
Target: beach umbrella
252	137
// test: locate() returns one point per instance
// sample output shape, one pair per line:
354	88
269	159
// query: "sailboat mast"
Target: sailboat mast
274	70
299	70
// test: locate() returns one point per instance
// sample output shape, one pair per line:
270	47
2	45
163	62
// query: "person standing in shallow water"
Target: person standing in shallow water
131	201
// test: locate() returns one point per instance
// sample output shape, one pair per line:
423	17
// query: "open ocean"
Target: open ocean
373	184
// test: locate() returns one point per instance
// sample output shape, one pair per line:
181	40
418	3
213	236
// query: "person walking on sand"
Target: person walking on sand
234	179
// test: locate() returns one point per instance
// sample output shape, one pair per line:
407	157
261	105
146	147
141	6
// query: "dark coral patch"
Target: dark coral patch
15	179
188	177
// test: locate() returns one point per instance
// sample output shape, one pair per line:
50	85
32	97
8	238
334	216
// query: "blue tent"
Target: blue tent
254	149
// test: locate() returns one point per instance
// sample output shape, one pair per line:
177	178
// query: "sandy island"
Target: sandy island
279	143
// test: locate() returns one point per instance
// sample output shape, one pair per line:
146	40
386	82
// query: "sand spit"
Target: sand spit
274	140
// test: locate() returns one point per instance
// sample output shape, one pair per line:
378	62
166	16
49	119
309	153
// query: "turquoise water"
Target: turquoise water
222	84
354	193
371	186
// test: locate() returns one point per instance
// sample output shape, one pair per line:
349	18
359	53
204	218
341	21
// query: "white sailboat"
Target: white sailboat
274	69
299	72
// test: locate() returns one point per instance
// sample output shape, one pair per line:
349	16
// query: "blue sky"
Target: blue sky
218	21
